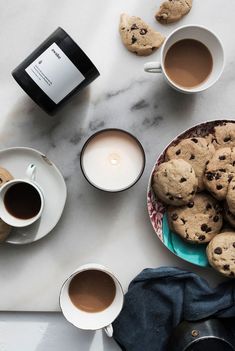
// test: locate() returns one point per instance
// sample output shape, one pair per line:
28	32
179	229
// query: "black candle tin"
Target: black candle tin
206	335
110	130
56	71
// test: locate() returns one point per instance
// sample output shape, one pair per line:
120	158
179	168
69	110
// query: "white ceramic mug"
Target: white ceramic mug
205	36
95	320
29	179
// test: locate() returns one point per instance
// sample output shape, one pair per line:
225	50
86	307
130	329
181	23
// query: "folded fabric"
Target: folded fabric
159	299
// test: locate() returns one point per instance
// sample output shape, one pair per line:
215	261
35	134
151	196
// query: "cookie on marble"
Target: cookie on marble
219	172
224	135
173	10
221	253
199	221
5	176
137	36
196	151
5	230
175	182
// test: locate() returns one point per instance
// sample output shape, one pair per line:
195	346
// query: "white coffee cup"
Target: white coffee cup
5	215
95	320
205	36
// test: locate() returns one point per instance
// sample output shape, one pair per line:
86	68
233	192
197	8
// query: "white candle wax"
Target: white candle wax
113	160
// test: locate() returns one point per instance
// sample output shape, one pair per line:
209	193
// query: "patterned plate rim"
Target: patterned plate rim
156	209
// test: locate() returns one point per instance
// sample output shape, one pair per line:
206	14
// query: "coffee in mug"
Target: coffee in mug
191	59
92	290
91	298
188	63
22	200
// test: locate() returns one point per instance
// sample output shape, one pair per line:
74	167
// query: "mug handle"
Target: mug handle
153	67
109	330
31	172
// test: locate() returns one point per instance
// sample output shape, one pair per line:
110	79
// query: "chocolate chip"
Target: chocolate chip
207	163
178	152
193	192
210	176
174	216
0	180
133	39
227	139
216	219
183	180
134	26
208	230
208	207
226	267
194	140
219	187
202	237
217	176
143	31
222	157
230	177
234	244
192	157
222	170
183	220
190	204
171	198
233	163
233	187
204	227
218	250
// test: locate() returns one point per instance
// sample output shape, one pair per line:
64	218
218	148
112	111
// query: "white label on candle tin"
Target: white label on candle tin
54	73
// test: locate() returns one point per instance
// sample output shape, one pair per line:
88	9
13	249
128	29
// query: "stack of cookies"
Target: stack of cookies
197	182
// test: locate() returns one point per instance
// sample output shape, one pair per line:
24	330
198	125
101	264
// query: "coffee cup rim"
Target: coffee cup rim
18	222
199	88
83	268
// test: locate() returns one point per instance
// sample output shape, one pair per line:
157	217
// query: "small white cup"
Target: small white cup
5	215
95	320
205	36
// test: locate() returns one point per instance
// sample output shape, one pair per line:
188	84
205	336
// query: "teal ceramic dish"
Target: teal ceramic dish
195	254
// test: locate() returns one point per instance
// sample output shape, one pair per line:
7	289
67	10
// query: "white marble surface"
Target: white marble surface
110	229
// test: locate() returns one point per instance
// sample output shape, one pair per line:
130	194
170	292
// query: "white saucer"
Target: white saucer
16	160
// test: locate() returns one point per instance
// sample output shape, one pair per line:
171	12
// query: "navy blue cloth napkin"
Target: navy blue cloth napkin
159	299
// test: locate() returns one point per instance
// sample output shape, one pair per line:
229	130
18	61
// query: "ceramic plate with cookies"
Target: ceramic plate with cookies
191	191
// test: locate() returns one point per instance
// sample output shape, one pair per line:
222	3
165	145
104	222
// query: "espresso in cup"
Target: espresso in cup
188	63
92	290
22	200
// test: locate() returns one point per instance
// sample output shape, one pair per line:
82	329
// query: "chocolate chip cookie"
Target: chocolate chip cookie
175	182
196	151
173	10
228	215
224	135
199	221
137	36
4	230
5	176
230	198
219	172
221	253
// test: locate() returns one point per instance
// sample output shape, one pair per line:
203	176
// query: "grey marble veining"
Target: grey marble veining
113	230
